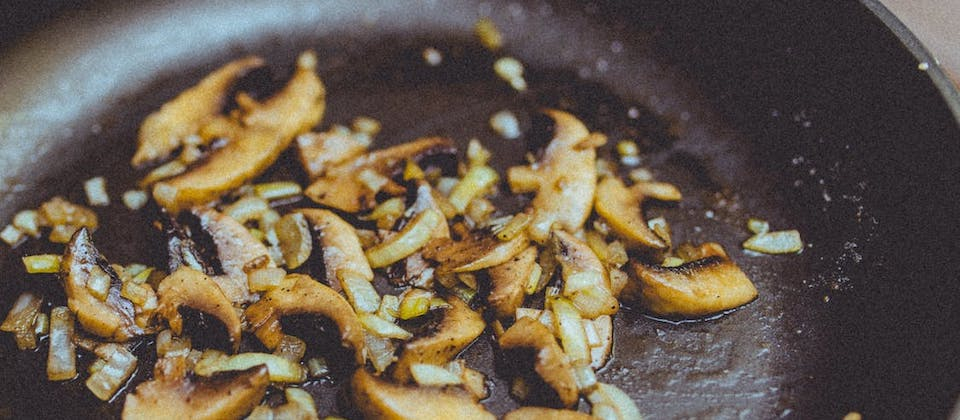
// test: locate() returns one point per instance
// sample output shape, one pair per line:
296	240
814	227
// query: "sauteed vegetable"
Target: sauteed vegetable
397	260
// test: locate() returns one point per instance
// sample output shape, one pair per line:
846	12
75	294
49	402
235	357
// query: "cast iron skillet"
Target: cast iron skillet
809	115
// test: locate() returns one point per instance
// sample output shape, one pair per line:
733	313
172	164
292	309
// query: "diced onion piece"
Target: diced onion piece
167	170
360	292
640	175
372	179
139	294
581	280
317	367
99	283
627	148
465	293
169	344
277	190
414	305
267	278
479	210
488	34
611	403
291	348
413	237
28	221
661	228
96	189
514	227
477	155
142	276
412	171
365	125
388	212
389	308
662	191
672	262
280	369
302	400
62	358
11	235
505	124
247	208
21	320
758	226
779	242
533	282
43	263
119	365
42	324
569	327
296	243
511	70
382	327
586	378
475	183
432	375
380	351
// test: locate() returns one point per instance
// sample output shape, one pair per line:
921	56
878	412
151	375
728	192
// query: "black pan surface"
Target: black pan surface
813	117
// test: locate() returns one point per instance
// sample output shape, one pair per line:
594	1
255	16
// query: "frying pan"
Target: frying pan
811	115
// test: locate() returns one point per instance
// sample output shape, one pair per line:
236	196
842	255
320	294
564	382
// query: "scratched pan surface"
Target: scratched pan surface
813	117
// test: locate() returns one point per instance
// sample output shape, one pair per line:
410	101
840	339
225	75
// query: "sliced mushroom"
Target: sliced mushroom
377	398
300	295
564	179
173	392
193	289
538	413
458	328
256	141
342	189
341	246
621	208
550	362
165	130
111	317
508	282
474	252
585	279
321	151
697	288
236	248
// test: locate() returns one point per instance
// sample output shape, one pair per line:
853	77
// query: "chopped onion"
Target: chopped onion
517	224
672	262
380	351
488	34
167	170
511	70
627	148
611	403
43	263
248	208
96	189
413	237
21	320
414	304
277	190
62	358
317	367
291	348
432	375
586	378
11	235
779	242
28	221
267	278
475	183
389	308
119	365
382	327
296	243
365	125
281	369
361	294
372	179
99	283
568	324
758	226
505	124
169	344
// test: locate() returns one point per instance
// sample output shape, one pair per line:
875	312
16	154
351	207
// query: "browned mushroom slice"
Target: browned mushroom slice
538	413
343	189
236	247
585	279
165	130
475	252
302	295
193	289
564	180
508	282
621	208
379	399
255	142
458	328
85	272
531	339
174	393
698	288
341	246
321	151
